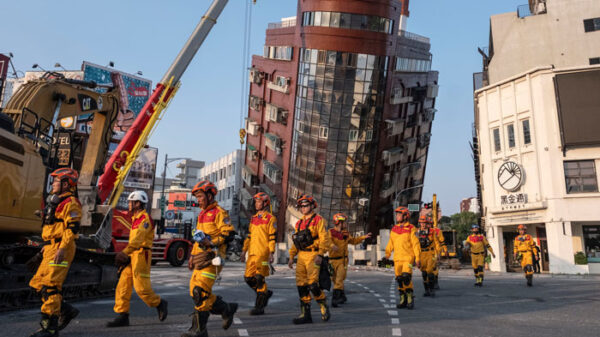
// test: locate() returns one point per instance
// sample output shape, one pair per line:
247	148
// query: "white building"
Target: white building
226	174
537	125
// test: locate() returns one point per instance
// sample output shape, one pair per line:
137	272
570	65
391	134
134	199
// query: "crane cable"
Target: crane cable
245	66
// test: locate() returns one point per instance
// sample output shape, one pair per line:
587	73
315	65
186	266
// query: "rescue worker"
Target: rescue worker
135	261
443	251
260	246
525	251
338	255
311	242
430	248
478	246
214	226
61	221
407	252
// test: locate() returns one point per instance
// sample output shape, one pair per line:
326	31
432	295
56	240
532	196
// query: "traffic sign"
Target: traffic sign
170	215
414	207
179	203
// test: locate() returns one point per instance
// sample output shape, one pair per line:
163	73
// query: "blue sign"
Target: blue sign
169	215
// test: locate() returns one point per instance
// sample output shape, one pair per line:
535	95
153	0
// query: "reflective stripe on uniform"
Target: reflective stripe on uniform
209	275
64	264
265	263
144	275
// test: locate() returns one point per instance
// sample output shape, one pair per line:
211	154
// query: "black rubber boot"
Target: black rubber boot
343	297
427	293
436	285
402	303
410	299
259	305
67	313
336	298
325	314
269	294
121	320
198	328
529	280
49	326
431	281
226	310
162	310
305	316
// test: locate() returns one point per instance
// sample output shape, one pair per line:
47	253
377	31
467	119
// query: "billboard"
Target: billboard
140	177
134	91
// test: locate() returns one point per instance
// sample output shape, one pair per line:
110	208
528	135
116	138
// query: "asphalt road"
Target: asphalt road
504	306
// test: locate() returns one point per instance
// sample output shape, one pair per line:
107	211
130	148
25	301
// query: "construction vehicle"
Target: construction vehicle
33	143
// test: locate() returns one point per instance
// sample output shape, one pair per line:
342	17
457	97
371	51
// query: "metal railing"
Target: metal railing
413	36
282	24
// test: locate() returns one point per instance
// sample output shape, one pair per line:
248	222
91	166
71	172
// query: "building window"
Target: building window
348	21
369	136
323	132
591	25
278	52
497	146
526	132
411	65
510	130
353	135
580	176
594	61
591	242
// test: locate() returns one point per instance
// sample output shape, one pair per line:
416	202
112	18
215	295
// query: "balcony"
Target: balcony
424	140
256	76
272	171
252	127
392	156
276	114
413	36
256	103
249	176
273	142
281	84
428	115
397	97
387	186
252	153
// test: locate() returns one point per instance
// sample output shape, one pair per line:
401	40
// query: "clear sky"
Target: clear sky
203	120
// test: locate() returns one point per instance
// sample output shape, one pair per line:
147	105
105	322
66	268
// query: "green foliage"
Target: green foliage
580	258
461	223
445	222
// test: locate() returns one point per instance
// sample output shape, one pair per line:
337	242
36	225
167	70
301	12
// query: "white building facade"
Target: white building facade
226	174
537	128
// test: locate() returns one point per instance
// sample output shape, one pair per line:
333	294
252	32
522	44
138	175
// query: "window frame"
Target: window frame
526	131
581	177
510	136
497	142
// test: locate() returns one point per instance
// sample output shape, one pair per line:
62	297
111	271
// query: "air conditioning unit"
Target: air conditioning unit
278	151
363	201
284	117
432	90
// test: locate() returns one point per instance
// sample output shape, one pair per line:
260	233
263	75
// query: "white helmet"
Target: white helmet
138	196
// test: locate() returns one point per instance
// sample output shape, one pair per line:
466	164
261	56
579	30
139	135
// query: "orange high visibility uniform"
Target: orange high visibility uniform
525	245
307	272
260	244
62	234
136	275
214	221
429	251
339	259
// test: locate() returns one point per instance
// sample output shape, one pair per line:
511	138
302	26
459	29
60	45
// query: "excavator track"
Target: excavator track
92	275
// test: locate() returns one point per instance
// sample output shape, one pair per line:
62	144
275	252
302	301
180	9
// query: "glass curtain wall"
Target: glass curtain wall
339	102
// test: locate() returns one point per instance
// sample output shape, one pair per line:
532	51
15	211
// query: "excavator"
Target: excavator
34	141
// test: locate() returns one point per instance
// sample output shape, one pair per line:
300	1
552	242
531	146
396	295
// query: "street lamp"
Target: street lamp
35	65
58	65
399	194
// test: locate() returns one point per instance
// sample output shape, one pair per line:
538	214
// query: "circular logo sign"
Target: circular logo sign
170	215
510	176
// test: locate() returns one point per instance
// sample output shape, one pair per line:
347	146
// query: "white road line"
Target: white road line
371	291
387	306
358	284
243	332
396	332
377	295
381	300
237	320
395	320
393	312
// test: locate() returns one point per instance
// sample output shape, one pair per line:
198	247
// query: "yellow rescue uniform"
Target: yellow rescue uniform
60	234
443	249
479	244
339	258
525	246
259	244
307	272
213	221
136	275
406	252
430	247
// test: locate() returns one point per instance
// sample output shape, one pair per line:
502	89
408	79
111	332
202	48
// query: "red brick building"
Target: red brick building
341	106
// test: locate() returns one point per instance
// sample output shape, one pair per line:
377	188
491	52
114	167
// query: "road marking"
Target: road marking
381	300
396	332
377	295
387	306
393	312
371	291
395	320
237	320
243	332
358	284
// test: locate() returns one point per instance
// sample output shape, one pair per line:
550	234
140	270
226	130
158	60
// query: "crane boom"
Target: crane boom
116	168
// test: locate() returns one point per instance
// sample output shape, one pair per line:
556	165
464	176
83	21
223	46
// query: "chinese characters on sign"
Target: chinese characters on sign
512	199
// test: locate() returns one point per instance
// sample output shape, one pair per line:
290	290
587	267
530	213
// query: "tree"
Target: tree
445	222
461	223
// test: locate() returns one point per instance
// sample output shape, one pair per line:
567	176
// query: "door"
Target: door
512	265
541	234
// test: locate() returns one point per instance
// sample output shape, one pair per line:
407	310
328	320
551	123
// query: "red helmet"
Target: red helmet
264	197
305	198
339	217
402	210
66	173
523	227
423	219
206	187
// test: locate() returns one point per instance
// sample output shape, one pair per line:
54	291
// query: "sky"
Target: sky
203	119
